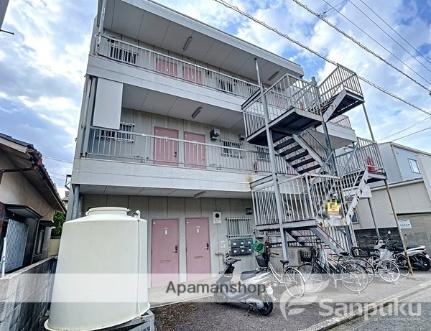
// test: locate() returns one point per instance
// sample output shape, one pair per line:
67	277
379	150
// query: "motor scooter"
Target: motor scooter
253	289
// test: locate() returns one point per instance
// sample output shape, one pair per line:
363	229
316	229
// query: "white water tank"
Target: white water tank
101	277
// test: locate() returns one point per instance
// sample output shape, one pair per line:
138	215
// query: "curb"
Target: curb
335	321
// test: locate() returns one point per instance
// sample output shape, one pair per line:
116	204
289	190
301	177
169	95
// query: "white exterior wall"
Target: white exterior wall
182	208
410	198
16	189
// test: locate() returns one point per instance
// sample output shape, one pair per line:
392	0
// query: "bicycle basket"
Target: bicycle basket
305	256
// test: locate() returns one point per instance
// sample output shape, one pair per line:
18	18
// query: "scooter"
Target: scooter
418	256
254	288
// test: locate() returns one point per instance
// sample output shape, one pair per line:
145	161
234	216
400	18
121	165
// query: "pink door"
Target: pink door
197	248
194	154
166	150
164	252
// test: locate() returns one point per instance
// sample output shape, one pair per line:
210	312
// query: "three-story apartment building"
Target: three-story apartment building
161	131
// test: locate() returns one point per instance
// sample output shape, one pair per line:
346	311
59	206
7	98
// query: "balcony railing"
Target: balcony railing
154	61
163	151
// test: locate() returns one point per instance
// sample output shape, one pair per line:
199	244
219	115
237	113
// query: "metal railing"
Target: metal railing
339	79
365	154
239	227
287	93
163	151
301	200
148	59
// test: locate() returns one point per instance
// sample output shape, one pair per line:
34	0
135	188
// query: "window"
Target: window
117	135
230	149
414	166
124	55
238	227
263	153
40	238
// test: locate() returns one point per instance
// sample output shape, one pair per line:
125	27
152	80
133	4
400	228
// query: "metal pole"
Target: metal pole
3	257
271	151
368	122
374	219
398	226
329	149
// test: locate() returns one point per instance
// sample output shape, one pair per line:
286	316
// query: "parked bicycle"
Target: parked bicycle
376	263
352	274
289	277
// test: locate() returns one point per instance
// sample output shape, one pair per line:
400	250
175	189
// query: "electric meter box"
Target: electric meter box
241	246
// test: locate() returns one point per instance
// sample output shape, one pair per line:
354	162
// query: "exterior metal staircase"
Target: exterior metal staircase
295	108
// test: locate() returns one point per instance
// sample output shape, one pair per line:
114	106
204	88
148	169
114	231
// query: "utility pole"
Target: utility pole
390	200
271	151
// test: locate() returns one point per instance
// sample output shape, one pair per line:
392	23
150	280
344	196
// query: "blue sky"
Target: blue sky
42	66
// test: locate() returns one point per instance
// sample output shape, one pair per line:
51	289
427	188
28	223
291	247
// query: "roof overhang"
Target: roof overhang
25	156
165	28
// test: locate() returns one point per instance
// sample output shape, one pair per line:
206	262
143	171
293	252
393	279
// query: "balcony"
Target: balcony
156	62
169	152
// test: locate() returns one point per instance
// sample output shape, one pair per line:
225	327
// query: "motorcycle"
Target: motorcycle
254	288
418	256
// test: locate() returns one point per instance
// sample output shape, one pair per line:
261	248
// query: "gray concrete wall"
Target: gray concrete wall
182	208
24	298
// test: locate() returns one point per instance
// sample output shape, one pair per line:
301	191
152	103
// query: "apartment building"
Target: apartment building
409	177
162	131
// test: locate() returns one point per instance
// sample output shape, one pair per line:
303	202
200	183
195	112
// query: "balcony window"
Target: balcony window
263	153
414	166
119	53
119	136
238	227
229	151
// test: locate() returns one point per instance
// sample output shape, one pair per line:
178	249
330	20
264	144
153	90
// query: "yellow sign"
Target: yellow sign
333	208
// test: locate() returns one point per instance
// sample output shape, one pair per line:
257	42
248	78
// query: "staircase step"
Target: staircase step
302	163
284	144
297	156
291	150
314	167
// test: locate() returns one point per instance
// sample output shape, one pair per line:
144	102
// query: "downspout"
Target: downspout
101	23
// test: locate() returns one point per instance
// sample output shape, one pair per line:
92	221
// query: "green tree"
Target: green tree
59	219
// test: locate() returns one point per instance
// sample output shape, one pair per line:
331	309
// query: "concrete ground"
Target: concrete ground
302	314
414	313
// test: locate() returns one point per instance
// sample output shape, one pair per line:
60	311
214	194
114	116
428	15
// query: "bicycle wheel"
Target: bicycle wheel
353	276
294	282
388	270
314	280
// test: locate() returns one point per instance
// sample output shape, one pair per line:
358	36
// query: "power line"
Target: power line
286	36
365	47
411	134
407	128
392	38
396	32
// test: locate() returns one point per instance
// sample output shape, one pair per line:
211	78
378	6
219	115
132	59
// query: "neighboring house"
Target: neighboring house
3	7
28	201
162	131
409	177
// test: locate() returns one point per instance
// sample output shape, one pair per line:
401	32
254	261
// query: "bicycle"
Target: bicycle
381	264
352	275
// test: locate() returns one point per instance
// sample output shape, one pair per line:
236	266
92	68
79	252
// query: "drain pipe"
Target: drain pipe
3	257
271	151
